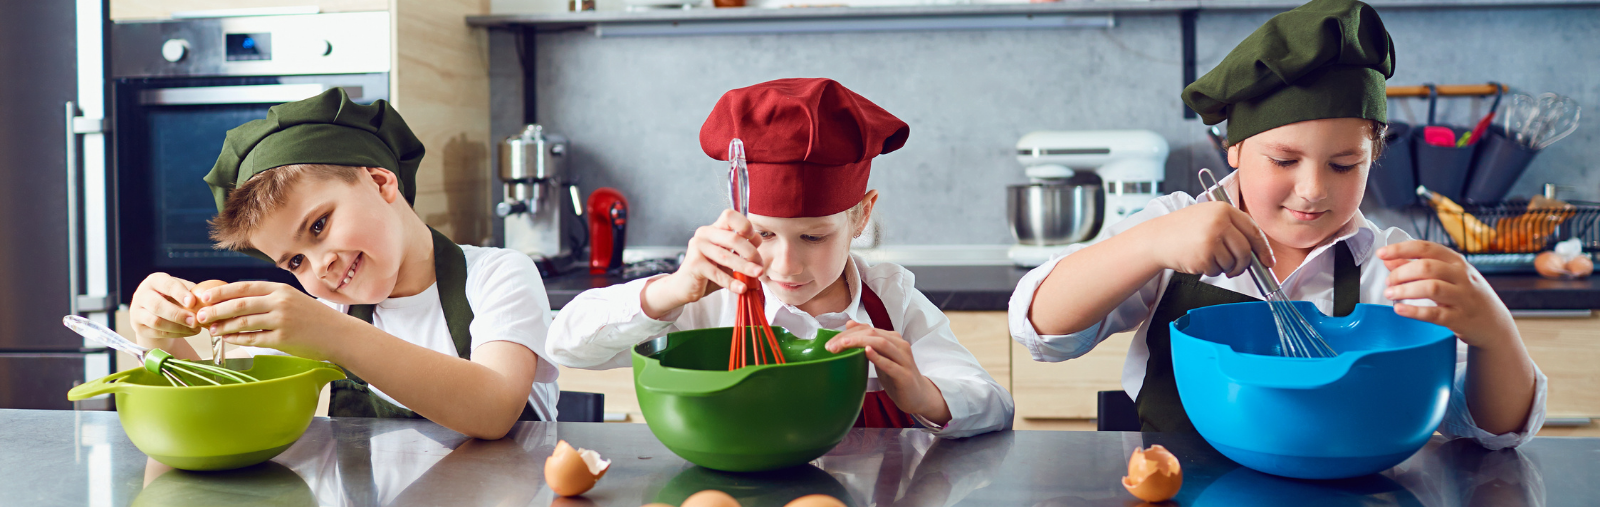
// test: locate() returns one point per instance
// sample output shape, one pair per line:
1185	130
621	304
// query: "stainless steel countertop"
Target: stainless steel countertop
83	458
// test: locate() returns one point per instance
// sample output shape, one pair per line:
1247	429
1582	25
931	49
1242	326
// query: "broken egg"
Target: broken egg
1153	474
710	498
571	472
815	501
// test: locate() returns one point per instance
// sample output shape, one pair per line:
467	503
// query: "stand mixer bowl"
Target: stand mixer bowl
1054	213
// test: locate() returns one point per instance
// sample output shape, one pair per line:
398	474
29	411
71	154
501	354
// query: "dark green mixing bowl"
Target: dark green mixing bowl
754	418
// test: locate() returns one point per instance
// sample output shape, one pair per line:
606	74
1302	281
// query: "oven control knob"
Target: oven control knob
327	48
174	50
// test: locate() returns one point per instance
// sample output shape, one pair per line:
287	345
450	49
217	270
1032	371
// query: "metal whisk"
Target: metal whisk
1296	337
156	360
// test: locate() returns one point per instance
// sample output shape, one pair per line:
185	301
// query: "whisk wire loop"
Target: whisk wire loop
1296	336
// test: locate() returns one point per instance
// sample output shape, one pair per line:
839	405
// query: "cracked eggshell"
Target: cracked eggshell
1153	474
571	472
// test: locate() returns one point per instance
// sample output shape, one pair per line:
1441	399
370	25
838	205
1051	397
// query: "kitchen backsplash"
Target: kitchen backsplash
632	107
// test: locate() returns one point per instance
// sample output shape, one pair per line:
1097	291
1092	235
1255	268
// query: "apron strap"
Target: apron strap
1158	404
878	410
1346	280
354	398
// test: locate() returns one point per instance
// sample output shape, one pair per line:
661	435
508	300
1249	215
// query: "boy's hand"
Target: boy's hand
714	253
897	370
1466	303
160	308
271	315
1209	238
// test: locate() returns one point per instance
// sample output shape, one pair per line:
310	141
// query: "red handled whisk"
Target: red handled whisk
753	341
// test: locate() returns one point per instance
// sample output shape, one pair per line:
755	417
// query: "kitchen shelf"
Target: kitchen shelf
1070	10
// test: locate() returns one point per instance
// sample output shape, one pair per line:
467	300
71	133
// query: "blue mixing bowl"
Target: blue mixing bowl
1361	412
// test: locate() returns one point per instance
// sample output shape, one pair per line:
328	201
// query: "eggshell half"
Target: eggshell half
572	472
1153	474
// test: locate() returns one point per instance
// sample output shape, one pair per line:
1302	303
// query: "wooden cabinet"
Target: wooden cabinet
1567	350
438	80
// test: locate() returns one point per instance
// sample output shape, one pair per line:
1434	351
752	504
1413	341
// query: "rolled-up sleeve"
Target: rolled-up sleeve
1127	315
597	329
1458	421
977	403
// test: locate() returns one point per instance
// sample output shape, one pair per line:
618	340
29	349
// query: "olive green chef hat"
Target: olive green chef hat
1324	59
326	129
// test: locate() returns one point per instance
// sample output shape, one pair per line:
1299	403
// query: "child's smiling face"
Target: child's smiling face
803	256
1303	182
343	241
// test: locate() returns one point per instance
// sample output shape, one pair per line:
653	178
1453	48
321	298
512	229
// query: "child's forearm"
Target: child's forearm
465	396
1500	385
1086	286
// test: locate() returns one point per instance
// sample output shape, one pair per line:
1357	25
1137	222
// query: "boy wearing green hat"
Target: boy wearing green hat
323	188
1304	100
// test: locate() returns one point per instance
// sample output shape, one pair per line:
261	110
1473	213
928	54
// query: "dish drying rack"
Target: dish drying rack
1513	235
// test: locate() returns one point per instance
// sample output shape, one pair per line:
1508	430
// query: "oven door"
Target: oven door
168	133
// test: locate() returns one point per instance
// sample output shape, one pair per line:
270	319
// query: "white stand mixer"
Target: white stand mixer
1052	212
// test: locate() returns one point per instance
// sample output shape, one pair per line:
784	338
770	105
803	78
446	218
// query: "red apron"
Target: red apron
878	411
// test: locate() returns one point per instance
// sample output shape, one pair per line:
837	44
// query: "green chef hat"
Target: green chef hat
326	129
1324	59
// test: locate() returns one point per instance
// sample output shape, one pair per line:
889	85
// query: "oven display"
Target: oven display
249	46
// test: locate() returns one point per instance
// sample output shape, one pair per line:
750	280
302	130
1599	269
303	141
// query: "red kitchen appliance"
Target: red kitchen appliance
608	225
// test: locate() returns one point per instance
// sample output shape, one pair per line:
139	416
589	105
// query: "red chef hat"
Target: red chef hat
808	143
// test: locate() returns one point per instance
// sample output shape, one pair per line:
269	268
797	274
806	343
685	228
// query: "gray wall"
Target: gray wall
633	106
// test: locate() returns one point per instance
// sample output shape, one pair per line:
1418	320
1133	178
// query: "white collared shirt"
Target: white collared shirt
600	326
1312	281
508	304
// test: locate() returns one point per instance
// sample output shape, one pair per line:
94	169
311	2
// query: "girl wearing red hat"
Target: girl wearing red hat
809	146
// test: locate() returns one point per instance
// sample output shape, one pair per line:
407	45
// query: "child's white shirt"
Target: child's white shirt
598	329
508	304
1312	281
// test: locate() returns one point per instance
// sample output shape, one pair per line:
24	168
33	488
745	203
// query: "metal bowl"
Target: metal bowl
1045	214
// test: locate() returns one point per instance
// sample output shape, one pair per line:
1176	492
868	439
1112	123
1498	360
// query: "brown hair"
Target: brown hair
248	205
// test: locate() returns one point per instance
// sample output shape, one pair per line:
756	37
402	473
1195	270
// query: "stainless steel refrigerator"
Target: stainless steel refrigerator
54	222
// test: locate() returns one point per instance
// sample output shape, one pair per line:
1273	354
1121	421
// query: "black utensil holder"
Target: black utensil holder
1393	177
1443	169
1500	162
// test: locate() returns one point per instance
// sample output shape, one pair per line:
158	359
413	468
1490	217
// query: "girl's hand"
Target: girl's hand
714	253
1466	303
1209	238
272	315
897	370
160	308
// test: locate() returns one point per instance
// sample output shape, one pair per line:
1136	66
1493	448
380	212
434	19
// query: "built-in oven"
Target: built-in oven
179	86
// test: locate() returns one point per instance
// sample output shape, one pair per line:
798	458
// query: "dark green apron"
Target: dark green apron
352	397
1158	403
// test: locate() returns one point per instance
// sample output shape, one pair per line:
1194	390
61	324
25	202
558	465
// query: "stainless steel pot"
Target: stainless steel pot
1044	214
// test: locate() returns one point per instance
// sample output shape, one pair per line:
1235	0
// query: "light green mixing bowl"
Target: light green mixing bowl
217	427
754	418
